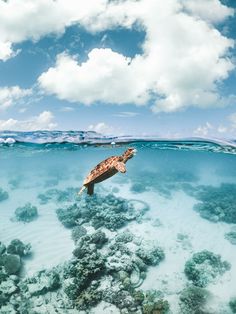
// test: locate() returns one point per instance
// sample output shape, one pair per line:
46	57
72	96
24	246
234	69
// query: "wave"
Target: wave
78	138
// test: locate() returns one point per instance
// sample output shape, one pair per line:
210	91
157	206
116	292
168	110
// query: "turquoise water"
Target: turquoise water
160	238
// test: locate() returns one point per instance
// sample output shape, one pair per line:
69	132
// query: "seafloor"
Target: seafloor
159	239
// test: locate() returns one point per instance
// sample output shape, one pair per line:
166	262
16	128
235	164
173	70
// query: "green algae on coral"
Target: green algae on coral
193	300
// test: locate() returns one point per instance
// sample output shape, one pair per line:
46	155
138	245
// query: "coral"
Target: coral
8	287
124	237
110	211
3	274
11	263
154	303
120	298
138	187
3	195
232	305
204	267
163	181
89	297
217	203
26	213
19	248
98	238
58	196
78	232
88	266
138	296
193	299
231	237
2	248
43	282
151	256
68	216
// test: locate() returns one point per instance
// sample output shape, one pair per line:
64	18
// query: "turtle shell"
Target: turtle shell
101	169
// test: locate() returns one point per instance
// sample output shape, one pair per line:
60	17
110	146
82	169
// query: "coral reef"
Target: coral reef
78	232
124	237
19	248
193	300
43	282
154	303
164	182
3	195
232	305
108	211
89	297
2	248
217	203
26	213
204	267
102	269
11	263
86	269
231	236
59	196
151	256
68	216
10	257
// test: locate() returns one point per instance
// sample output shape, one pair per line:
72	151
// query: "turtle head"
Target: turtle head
129	153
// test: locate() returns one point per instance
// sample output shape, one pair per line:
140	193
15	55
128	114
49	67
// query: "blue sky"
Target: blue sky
143	67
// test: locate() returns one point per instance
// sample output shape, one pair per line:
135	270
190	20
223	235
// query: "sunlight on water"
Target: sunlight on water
160	238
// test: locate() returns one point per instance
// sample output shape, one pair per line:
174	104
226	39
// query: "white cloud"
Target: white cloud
67	109
126	114
107	76
5	51
184	55
11	95
203	130
184	58
232	119
222	129
44	121
31	19
101	127
200	9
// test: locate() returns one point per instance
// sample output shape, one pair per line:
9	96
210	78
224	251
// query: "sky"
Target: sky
122	67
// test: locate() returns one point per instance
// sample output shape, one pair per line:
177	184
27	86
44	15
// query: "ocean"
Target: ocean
160	238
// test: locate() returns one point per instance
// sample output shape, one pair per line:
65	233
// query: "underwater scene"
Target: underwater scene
158	239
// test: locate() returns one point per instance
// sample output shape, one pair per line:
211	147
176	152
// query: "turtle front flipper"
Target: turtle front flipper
90	189
120	166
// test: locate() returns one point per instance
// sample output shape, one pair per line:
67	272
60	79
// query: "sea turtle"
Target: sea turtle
106	169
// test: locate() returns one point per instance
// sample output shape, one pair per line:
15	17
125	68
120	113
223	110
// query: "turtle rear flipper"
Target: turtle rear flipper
81	190
90	189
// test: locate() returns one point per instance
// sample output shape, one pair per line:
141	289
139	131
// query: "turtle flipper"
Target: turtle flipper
90	189
120	166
